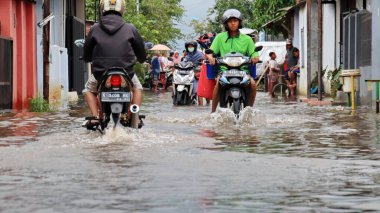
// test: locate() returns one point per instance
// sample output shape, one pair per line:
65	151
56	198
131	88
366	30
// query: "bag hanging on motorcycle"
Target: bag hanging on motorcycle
252	70
211	74
205	86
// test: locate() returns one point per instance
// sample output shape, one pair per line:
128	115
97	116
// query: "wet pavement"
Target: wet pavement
279	157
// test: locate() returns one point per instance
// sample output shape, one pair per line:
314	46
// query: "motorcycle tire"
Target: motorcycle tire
175	101
179	98
236	106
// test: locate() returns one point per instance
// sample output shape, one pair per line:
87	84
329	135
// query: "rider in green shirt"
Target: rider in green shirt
233	41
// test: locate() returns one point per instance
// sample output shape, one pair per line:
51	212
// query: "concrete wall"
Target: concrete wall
302	45
40	73
296	37
376	39
328	41
58	23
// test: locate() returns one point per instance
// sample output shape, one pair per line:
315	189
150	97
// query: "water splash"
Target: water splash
250	117
144	137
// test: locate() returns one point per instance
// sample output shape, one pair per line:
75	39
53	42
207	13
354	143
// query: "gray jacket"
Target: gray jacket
113	43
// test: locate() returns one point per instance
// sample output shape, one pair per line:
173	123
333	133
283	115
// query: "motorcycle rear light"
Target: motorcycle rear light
116	81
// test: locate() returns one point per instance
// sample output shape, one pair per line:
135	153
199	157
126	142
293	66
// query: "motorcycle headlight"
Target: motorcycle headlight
177	78
233	61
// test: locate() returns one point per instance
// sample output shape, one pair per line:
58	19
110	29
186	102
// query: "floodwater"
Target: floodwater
279	157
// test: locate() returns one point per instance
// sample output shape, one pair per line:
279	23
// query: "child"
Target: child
274	71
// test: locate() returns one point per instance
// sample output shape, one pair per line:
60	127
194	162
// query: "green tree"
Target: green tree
155	21
266	11
256	13
244	6
90	9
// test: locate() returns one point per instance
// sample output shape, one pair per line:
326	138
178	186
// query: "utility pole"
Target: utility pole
138	6
46	50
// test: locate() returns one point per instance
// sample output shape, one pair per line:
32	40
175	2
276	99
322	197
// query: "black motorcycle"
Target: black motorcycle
234	81
114	101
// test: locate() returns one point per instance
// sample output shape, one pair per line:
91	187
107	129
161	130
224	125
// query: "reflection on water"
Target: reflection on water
277	157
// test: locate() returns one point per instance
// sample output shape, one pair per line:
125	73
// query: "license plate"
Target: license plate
233	73
116	97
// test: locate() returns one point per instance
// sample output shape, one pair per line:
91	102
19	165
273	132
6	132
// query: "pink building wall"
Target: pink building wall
18	21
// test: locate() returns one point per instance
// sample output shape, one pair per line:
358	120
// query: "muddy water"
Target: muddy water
278	157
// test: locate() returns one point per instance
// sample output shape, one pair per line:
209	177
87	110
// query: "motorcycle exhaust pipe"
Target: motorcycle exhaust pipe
135	120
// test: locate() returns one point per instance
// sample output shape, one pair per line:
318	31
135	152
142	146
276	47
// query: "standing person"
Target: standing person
290	60
293	71
156	68
205	85
176	58
196	57
184	53
274	71
233	41
112	43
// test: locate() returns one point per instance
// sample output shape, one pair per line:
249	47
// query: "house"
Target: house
345	33
37	51
18	67
60	70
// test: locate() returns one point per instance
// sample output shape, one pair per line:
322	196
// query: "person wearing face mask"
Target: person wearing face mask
196	57
193	54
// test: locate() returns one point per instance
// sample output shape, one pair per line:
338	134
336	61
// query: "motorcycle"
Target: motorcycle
183	78
166	79
234	82
114	101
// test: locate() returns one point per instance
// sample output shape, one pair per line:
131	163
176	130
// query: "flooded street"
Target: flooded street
279	157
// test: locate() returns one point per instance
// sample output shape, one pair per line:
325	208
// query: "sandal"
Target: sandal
91	124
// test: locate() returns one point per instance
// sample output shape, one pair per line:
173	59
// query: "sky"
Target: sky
194	9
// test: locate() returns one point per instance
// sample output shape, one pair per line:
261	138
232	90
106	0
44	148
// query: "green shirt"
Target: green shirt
241	43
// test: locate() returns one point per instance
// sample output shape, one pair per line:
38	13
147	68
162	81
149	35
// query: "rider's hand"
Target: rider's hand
255	60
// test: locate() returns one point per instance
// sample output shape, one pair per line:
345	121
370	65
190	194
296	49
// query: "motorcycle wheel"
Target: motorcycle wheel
179	98
115	118
175	101
236	106
281	90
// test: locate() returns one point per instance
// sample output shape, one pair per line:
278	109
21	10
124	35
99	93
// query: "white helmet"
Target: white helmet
112	5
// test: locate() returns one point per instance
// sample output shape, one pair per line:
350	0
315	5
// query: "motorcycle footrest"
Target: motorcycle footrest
142	117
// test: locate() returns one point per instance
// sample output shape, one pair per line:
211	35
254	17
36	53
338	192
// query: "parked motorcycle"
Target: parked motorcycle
166	79
183	78
114	101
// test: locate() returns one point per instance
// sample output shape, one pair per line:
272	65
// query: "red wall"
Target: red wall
18	21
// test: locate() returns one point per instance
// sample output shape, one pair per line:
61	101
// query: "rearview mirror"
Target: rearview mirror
79	42
258	48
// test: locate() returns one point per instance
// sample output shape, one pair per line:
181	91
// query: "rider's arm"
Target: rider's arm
215	47
254	55
138	46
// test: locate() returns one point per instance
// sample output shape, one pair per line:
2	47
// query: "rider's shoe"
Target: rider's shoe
91	124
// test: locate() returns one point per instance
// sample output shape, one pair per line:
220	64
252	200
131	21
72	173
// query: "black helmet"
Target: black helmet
194	43
232	13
